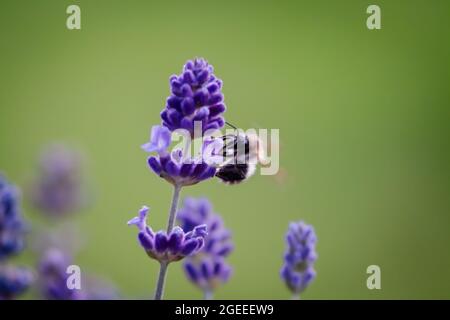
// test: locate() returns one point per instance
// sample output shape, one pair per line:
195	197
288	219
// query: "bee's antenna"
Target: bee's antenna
231	125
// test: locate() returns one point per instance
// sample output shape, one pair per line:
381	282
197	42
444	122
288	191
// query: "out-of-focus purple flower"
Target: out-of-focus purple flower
200	211
207	272
207	269
298	271
168	247
53	277
58	189
175	167
195	96
11	221
14	281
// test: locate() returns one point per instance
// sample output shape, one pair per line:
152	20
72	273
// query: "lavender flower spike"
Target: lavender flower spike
196	96
168	247
207	273
175	167
200	211
58	190
53	277
207	269
14	281
12	225
297	271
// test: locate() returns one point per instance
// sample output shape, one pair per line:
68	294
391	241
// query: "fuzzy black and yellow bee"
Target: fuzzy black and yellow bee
241	152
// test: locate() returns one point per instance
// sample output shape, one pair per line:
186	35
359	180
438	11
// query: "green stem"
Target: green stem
161	281
170	224
173	208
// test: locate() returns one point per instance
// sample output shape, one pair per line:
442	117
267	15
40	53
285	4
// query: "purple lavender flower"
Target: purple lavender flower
53	277
160	139
175	167
207	269
200	211
58	189
53	280
168	247
14	281
196	99
11	222
207	273
298	271
196	96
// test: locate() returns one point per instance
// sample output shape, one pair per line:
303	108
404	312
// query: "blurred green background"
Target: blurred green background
363	118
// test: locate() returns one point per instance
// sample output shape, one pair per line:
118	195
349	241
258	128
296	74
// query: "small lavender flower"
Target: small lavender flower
207	273
196	96
168	247
297	271
11	221
200	211
53	277
58	189
207	269
175	167
14	281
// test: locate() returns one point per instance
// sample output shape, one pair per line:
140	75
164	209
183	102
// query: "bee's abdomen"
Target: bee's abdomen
232	173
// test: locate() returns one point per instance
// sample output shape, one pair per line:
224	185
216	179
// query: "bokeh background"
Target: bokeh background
363	118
